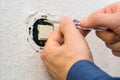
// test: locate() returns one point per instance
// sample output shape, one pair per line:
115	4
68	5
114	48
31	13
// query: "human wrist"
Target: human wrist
72	63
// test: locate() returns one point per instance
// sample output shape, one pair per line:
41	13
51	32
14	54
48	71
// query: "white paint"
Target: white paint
19	61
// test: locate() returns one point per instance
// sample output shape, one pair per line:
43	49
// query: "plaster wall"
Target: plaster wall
19	61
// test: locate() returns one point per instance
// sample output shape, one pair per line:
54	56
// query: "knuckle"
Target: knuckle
91	20
64	18
48	48
65	21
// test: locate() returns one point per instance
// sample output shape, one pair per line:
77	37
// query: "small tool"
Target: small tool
78	25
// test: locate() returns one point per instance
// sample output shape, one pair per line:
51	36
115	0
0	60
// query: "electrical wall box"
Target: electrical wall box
41	31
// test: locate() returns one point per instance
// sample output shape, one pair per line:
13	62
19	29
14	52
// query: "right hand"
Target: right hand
107	17
65	46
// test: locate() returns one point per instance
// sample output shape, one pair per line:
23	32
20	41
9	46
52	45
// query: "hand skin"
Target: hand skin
65	46
107	17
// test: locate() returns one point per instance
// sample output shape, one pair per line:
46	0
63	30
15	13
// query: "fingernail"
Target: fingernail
83	21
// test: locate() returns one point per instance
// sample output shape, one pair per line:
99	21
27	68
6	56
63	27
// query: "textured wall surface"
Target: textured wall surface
19	61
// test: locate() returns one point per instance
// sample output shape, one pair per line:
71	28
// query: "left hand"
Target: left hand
106	17
65	46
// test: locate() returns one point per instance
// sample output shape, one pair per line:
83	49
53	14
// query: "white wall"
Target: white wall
19	61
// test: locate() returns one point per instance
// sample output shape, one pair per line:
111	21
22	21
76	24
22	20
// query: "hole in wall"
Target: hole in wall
39	30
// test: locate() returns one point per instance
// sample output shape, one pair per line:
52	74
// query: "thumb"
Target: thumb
103	20
69	31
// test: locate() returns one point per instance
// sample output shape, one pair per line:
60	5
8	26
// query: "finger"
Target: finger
114	47
55	38
107	37
84	32
103	20
116	53
112	8
69	31
100	19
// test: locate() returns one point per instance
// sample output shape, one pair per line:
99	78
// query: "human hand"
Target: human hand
65	46
107	17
